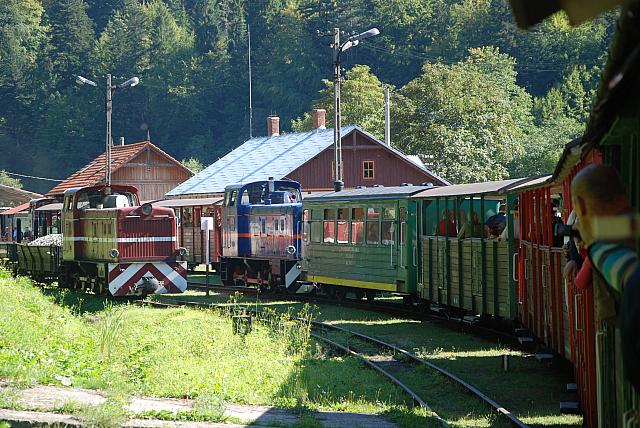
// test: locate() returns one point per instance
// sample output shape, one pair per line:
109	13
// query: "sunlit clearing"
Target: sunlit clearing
452	354
374	322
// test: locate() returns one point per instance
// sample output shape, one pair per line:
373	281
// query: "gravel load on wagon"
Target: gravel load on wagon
48	240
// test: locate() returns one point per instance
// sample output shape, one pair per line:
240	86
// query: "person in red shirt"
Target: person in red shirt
447	225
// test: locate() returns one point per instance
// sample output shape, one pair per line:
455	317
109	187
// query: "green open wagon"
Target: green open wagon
468	270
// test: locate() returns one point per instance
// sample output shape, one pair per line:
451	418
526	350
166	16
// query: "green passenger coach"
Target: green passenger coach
362	240
462	264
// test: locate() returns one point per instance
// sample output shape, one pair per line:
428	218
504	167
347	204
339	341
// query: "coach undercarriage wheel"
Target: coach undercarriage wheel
371	296
337	293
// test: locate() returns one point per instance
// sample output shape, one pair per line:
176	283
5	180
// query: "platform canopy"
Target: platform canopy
187	202
50	207
12	196
16	210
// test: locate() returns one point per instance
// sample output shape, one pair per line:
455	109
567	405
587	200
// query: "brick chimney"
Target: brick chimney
273	126
319	118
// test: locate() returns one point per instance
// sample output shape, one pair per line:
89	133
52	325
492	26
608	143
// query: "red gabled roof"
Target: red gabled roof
16	210
93	173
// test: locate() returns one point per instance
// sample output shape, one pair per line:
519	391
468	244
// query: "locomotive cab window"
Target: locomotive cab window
244	199
231	198
82	201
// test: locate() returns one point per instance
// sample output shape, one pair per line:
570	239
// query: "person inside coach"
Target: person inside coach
495	225
447	225
598	191
472	228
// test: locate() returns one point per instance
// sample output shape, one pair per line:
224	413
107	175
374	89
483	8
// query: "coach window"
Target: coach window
343	226
305	225
388	225
275	225
357	225
329	226
316	225
373	226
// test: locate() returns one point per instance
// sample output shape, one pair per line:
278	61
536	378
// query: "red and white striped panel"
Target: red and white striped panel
129	278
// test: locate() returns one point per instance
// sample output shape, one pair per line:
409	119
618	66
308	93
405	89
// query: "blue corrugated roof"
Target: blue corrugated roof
263	157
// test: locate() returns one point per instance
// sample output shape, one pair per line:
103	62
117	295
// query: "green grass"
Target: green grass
531	390
59	337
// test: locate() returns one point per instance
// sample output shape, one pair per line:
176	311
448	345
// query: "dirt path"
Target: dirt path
39	401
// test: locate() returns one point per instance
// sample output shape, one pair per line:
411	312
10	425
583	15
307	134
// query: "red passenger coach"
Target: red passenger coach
544	303
110	242
552	307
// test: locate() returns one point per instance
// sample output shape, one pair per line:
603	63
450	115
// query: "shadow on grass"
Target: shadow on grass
529	389
83	303
352	391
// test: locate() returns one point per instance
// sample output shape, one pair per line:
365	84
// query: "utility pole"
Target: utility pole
387	117
250	96
338	48
110	90
338	183
109	109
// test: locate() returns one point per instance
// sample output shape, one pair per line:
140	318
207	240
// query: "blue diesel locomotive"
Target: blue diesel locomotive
262	222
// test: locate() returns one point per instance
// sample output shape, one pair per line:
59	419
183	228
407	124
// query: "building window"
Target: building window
368	170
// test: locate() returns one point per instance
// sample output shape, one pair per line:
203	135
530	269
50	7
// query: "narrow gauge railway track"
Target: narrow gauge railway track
393	309
384	357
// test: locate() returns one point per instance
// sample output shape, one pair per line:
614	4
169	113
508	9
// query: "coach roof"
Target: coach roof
378	192
487	187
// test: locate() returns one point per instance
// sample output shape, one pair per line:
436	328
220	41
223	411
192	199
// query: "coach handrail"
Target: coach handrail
575	313
514	267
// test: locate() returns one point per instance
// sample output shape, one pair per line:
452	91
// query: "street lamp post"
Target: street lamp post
338	48
110	90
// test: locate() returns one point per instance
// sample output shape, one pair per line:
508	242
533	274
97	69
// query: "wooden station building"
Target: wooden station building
306	157
143	165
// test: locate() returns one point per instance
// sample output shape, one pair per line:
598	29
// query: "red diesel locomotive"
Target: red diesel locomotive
109	242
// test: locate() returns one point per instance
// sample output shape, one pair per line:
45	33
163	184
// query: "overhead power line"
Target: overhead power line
31	176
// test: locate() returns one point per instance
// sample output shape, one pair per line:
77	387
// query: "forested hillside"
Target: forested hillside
473	96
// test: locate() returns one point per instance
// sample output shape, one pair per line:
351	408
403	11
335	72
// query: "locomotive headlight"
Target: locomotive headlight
291	250
114	253
183	251
146	209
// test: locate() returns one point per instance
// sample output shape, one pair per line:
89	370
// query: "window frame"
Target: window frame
366	170
378	220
